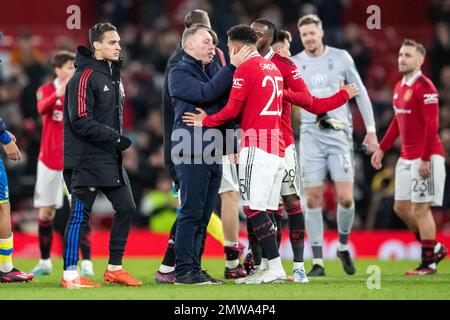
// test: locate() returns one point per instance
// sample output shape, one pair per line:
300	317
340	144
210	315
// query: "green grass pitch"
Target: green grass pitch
336	285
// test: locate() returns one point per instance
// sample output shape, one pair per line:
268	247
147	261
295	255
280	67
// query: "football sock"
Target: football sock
296	223
254	245
345	221
428	252
85	243
169	255
6	249
231	250
112	267
45	232
265	231
275	264
314	227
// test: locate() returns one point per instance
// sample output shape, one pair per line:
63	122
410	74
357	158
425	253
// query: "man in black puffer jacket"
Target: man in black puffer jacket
93	145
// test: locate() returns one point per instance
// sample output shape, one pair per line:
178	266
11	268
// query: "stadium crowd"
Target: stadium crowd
150	32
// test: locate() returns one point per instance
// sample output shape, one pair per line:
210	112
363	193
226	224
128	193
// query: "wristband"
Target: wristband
371	129
5	138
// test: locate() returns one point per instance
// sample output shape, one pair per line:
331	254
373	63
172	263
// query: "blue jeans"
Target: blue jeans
199	185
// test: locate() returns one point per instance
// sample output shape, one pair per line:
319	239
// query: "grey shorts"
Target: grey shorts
323	150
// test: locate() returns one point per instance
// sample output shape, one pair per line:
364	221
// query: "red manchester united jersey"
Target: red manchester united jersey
257	95
297	92
416	119
50	107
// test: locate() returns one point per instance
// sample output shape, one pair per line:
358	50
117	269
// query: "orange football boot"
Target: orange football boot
121	277
78	283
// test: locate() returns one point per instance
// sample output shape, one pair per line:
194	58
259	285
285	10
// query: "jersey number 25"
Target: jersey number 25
276	92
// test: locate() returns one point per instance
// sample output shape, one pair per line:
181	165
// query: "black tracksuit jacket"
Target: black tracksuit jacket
93	111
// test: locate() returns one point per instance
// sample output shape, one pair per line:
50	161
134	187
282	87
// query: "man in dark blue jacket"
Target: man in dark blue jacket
197	82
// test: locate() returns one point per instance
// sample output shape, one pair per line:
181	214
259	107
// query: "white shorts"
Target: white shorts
229	176
290	183
409	185
49	189
260	178
323	150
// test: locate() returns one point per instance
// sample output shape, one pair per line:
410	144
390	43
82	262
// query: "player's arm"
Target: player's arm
80	103
201	119
242	82
430	111
185	86
45	102
362	99
363	102
300	95
9	143
386	143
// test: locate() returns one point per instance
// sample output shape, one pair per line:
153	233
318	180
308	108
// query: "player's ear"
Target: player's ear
97	45
421	59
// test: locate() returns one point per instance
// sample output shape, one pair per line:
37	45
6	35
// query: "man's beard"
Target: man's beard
406	71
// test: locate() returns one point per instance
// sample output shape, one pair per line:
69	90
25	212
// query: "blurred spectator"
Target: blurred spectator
355	45
150	31
440	51
444	88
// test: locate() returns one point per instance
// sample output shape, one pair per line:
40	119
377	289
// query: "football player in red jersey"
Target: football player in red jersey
420	171
256	95
49	189
299	94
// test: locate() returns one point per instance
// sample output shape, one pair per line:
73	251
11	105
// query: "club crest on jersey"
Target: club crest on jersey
430	98
408	94
57	115
237	83
330	64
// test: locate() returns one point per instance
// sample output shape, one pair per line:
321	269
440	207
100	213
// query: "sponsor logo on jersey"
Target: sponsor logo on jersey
430	98
296	74
58	102
57	115
319	80
408	94
238	82
402	111
105	88
395	96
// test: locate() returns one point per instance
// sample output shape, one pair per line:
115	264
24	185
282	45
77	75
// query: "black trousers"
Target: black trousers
199	185
82	201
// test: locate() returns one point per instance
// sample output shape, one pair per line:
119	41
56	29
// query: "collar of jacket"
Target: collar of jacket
85	57
190	59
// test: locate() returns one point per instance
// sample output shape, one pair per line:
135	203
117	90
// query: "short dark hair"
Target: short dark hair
196	16
283	35
419	47
61	57
242	33
97	31
270	25
309	19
